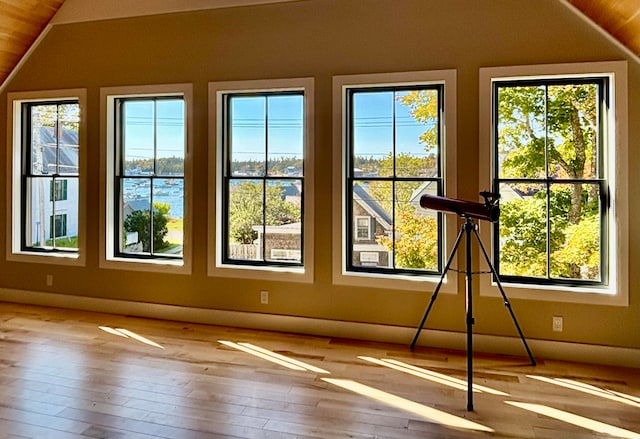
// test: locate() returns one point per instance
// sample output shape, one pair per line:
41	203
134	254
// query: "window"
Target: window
45	165
396	143
552	146
149	178
363	228
263	174
58	191
58	226
147	164
263	179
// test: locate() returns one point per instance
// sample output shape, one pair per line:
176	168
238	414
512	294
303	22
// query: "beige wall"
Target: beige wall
320	39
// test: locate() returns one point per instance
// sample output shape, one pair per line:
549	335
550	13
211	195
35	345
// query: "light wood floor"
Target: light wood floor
70	374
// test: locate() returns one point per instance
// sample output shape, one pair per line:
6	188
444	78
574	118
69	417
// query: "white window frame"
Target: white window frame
108	255
14	229
616	293
215	264
341	85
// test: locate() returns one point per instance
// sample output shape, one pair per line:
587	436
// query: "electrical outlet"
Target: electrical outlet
558	323
49	280
264	297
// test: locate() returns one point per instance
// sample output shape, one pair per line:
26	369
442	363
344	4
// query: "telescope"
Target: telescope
488	211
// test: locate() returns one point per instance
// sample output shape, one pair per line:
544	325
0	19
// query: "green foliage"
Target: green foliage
581	250
549	133
381	190
246	210
424	108
138	221
574	248
416	245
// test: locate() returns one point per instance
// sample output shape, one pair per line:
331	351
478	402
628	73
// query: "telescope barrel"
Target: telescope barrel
487	212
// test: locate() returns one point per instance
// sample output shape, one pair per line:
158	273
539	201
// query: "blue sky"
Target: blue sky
373	133
251	128
139	135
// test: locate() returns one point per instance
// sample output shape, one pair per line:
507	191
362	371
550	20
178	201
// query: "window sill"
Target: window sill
47	258
148	265
549	293
288	274
396	281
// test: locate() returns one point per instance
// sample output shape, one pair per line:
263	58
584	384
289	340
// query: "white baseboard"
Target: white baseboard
542	349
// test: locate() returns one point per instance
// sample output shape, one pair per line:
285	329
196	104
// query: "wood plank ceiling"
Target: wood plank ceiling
620	18
21	21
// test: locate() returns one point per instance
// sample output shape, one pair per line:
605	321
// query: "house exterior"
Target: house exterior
370	222
54	202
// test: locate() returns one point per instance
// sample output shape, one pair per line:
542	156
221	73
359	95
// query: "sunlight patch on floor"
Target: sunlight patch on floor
121	332
421	410
426	374
273	357
591	390
577	420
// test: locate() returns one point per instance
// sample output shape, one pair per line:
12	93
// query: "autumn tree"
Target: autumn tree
549	134
415	235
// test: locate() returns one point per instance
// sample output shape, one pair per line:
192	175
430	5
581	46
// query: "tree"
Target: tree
415	236
549	131
416	243
138	221
246	209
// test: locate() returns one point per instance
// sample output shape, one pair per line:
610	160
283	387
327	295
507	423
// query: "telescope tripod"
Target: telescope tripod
469	229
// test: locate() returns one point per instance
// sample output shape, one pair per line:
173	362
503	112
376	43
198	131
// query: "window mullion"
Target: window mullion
547	179
152	179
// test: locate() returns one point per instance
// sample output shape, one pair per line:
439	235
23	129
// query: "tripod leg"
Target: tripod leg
507	304
437	290
468	226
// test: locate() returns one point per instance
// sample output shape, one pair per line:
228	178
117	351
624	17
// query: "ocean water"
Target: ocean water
137	193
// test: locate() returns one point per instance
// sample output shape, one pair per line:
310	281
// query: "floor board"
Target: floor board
71	374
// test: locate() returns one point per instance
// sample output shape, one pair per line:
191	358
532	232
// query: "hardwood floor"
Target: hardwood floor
70	374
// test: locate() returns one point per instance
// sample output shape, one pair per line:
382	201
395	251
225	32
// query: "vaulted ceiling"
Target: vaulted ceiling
620	18
22	21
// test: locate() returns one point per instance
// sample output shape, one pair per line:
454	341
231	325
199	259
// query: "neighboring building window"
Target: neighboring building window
264	182
550	151
149	176
363	228
556	149
50	175
394	142
58	191
58	226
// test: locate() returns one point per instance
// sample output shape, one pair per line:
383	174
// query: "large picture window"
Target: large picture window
263	178
549	149
262	172
555	146
50	176
394	142
149	177
146	184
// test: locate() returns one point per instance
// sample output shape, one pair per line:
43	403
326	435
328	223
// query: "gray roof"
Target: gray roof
67	150
363	197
